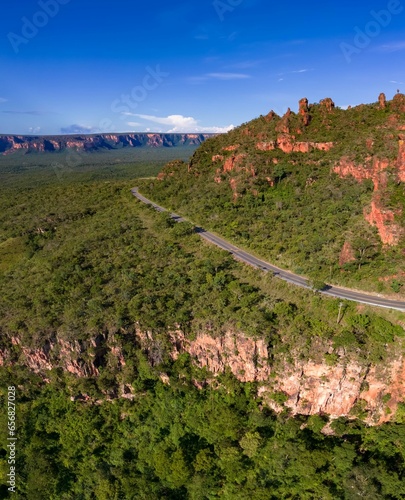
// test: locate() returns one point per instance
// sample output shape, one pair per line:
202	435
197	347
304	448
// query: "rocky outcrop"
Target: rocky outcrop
217	158
400	165
382	101
303	110
79	358
234	163
266	146
246	357
309	387
398	103
347	254
12	143
283	126
288	144
270	116
376	170
327	104
233	147
342	390
383	219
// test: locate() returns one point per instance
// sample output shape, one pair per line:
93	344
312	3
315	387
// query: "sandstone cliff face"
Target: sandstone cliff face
75	357
400	165
237	161
246	357
288	144
310	387
12	143
377	170
316	388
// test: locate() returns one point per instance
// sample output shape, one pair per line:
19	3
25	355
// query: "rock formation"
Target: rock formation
375	169
283	126
382	101
11	143
304	111
310	386
270	116
287	144
398	103
346	254
327	104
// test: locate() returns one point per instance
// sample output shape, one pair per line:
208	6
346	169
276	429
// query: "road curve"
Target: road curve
295	279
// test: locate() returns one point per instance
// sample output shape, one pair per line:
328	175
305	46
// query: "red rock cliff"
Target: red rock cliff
376	170
310	387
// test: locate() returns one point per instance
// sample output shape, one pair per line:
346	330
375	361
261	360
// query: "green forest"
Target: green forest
82	263
291	208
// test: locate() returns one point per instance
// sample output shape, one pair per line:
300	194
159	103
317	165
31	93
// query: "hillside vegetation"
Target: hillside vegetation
320	192
103	300
100	416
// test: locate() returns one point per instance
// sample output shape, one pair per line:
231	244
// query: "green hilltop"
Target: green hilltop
319	192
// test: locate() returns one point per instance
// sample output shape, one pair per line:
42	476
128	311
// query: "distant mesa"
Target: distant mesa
101	142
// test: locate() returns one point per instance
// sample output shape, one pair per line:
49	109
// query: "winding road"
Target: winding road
295	279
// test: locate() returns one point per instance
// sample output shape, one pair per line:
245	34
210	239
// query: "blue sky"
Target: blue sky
70	66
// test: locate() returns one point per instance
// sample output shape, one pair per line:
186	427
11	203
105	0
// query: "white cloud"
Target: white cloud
398	83
34	130
252	63
214	130
133	124
392	47
304	70
228	76
35	113
2	99
232	36
184	124
224	76
178	121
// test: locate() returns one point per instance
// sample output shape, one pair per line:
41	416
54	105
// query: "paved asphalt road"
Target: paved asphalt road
248	258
